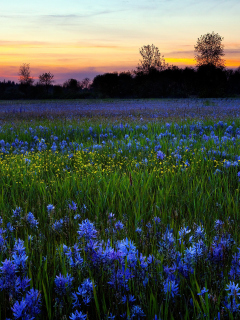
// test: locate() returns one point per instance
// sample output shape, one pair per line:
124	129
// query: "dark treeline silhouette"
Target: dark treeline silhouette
173	82
153	78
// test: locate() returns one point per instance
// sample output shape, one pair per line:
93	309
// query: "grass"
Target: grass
124	177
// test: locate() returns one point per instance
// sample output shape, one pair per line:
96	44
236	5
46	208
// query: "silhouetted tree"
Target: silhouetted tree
72	84
211	81
46	79
209	49
25	75
85	83
107	84
151	59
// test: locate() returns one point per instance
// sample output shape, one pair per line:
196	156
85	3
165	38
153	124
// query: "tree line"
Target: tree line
152	78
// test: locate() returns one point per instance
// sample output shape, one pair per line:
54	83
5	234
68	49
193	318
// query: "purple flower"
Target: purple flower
160	155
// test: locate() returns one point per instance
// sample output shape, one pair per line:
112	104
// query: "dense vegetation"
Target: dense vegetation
105	219
206	81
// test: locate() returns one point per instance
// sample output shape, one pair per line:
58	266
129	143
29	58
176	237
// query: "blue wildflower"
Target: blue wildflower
86	291
87	230
119	225
203	291
57	226
63	284
137	312
16	213
78	315
31	220
233	289
160	155
50	208
170	288
28	308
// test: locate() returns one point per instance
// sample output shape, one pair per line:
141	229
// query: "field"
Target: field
120	209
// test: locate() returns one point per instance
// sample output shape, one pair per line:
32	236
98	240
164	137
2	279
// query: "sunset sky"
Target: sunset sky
78	39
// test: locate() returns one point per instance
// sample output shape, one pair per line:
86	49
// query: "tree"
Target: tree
209	49
72	84
25	75
151	59
85	83
46	79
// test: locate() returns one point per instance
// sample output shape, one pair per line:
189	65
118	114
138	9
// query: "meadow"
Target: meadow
120	209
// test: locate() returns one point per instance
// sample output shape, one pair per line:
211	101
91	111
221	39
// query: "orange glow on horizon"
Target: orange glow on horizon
75	58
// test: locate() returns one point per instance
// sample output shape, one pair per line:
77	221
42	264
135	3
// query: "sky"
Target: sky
79	38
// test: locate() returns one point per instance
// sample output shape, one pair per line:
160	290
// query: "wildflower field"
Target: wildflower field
129	211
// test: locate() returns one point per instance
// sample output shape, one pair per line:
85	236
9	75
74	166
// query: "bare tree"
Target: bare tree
85	83
209	49
25	74
46	79
151	59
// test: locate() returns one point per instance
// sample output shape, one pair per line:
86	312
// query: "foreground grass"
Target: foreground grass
114	172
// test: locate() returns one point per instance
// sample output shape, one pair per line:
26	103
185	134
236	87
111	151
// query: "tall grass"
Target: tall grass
191	185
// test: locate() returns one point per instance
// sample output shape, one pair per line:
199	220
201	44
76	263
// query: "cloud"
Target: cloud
80	16
232	51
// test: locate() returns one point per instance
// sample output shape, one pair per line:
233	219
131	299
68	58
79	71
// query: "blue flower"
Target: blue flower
19	256
31	220
160	155
233	289
50	208
28	308
111	216
203	291
78	315
137	312
126	247
119	225
16	213
19	310
63	284
170	288
87	230
86	291
22	284
73	206
7	279
58	224
157	220
77	217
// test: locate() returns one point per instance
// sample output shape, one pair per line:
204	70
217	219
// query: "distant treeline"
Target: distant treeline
153	78
172	82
